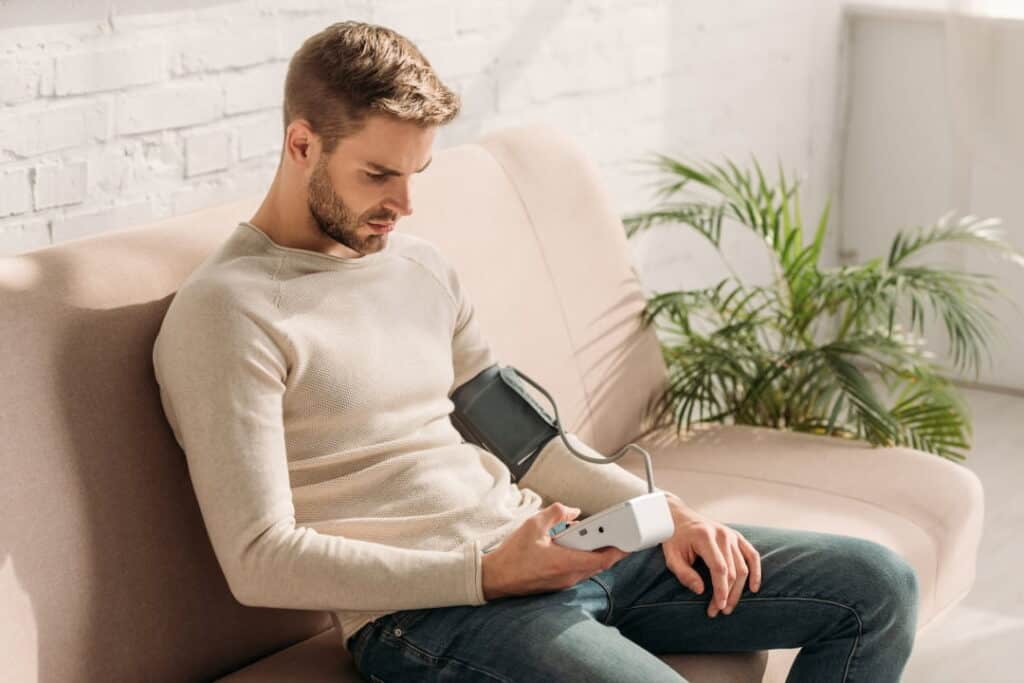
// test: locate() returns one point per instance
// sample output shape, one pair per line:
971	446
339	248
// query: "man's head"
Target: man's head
361	107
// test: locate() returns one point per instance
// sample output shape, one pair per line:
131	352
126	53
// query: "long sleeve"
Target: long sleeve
471	353
557	474
222	376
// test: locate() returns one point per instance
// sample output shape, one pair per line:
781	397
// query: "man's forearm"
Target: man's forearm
558	475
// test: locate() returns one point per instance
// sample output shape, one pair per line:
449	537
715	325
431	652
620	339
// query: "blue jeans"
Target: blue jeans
850	604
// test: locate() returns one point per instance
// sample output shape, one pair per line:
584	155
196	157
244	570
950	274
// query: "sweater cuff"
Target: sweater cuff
475	560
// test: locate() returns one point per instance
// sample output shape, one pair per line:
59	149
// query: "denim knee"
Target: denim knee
887	585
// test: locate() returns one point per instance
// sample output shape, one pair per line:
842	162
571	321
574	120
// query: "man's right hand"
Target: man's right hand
529	561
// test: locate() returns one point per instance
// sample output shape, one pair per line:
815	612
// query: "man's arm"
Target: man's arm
556	474
222	379
559	475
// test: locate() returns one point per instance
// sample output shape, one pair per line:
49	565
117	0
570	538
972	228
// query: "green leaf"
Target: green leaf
754	355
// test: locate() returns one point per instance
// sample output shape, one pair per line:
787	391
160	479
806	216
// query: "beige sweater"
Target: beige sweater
310	394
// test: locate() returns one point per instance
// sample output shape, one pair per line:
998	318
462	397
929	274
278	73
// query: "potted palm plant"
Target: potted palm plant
832	351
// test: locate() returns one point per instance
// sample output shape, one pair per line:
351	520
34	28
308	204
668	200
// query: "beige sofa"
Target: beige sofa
107	572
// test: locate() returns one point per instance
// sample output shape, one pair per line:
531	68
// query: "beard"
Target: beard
336	220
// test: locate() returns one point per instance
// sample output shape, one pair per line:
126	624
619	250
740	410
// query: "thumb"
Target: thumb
557	512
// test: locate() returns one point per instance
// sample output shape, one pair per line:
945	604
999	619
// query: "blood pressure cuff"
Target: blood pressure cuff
494	411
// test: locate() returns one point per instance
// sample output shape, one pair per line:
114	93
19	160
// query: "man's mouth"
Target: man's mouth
381	227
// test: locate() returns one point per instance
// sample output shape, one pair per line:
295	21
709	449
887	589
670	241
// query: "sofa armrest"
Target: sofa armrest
943	498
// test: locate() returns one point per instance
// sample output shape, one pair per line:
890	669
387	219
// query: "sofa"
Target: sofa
107	571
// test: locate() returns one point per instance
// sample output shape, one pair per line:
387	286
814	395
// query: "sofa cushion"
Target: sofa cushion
108	571
321	659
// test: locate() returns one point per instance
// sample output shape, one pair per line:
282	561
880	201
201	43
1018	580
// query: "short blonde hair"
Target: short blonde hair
350	70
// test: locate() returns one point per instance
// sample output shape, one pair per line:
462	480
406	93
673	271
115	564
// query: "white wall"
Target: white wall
116	113
935	125
126	112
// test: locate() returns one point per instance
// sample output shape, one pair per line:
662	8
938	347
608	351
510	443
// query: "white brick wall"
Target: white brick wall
21	78
108	119
60	185
254	89
207	151
15	192
171	105
41	126
108	69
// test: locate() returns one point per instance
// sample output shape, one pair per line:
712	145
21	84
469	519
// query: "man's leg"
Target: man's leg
547	637
849	603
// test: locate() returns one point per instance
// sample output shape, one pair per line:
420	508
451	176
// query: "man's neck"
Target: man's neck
294	227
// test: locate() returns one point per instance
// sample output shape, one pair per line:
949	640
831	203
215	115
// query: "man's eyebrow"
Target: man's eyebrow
390	171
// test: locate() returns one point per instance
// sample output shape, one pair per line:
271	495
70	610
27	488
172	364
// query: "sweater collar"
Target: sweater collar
319	257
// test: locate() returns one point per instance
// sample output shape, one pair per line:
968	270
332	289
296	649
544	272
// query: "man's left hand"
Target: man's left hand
728	555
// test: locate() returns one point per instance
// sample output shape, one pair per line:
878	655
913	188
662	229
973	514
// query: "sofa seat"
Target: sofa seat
321	659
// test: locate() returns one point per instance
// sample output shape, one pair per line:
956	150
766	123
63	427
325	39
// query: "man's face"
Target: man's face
357	193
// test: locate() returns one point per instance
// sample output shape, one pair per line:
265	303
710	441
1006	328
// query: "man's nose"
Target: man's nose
400	200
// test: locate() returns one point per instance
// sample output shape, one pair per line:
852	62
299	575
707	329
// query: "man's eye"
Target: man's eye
376	177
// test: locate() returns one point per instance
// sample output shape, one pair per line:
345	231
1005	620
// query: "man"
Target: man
306	368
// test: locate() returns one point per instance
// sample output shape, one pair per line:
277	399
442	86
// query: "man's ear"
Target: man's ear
301	142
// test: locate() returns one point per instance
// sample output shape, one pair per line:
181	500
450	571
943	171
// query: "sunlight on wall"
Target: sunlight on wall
1009	9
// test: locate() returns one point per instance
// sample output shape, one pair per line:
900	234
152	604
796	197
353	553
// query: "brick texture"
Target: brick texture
106	124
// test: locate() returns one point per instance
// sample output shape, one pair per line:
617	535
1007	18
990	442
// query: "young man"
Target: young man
306	368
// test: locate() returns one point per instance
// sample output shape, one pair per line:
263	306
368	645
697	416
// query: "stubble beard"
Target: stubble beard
336	220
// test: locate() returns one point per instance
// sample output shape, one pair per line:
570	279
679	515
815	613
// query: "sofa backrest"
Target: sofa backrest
106	572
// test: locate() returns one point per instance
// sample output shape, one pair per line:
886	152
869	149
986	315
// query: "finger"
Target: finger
741	579
588	561
730	559
753	559
607	557
722	599
553	514
686	574
559	512
719	568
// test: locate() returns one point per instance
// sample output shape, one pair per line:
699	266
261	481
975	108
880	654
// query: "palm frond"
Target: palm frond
704	218
968	230
751	355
